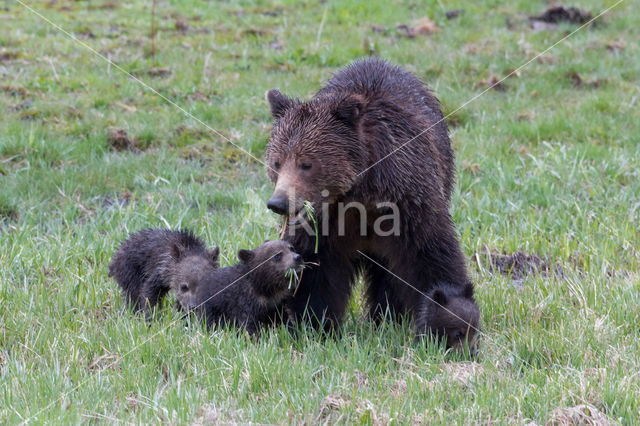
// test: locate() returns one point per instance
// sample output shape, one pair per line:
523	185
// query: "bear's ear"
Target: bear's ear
177	250
245	256
439	297
213	255
468	291
350	109
278	102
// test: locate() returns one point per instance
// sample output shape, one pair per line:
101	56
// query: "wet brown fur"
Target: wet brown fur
364	113
449	313
250	294
152	262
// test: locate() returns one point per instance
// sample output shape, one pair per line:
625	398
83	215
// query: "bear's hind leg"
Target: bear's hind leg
381	296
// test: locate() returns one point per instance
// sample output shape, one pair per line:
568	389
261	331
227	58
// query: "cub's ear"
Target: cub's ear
245	256
213	255
177	250
278	102
439	297
350	110
468	291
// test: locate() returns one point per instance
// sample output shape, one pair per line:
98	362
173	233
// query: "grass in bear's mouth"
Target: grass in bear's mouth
546	166
294	278
292	274
307	212
311	214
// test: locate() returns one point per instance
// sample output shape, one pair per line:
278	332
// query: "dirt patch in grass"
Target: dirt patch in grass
492	82
555	15
6	55
576	80
17	91
159	72
419	27
582	414
119	140
26	104
616	46
180	25
451	14
516	265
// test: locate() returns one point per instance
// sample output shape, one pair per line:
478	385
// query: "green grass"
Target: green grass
543	166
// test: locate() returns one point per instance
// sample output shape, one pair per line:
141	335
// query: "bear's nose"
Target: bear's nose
297	258
278	203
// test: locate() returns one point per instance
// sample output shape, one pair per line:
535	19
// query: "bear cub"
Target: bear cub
153	261
251	293
451	314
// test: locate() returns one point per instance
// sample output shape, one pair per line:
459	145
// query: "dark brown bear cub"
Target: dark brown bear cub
250	293
153	261
451	314
371	153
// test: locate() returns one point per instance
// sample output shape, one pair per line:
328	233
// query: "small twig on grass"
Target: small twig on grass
53	67
324	18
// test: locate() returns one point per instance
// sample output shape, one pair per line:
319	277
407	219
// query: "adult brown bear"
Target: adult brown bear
371	154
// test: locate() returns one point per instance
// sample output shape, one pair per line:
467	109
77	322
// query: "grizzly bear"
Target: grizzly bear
449	313
249	294
373	138
153	261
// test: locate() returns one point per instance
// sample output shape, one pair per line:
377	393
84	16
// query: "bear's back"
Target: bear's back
375	78
383	84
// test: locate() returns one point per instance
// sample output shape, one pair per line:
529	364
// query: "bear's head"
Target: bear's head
191	267
313	154
451	314
273	268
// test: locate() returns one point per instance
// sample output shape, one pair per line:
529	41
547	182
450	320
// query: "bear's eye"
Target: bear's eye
184	288
305	166
291	248
277	257
277	165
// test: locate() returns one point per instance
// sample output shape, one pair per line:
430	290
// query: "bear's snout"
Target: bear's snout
278	203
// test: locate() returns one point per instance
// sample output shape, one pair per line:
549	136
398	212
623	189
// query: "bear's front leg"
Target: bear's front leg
323	293
151	294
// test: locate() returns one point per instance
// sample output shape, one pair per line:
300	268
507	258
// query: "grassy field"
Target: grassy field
548	164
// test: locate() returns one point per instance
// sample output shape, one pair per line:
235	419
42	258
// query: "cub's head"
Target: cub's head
191	267
272	267
313	153
450	314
